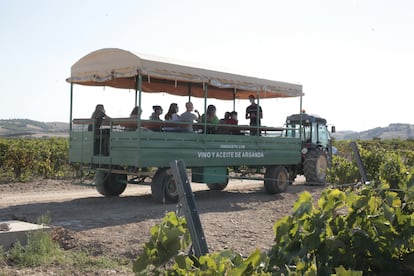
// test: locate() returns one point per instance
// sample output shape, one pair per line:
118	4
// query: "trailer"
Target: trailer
124	148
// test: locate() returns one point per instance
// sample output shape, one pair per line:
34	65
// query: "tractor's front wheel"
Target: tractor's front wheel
315	167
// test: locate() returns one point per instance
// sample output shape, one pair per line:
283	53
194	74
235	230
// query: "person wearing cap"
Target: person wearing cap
156	114
254	113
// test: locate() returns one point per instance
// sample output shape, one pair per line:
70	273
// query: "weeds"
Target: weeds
41	250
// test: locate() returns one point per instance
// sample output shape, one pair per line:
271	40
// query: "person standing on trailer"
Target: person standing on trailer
101	139
252	111
98	115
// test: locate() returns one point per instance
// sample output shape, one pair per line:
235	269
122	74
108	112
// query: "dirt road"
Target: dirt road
239	218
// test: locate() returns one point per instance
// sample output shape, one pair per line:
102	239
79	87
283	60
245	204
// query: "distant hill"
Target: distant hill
26	127
393	131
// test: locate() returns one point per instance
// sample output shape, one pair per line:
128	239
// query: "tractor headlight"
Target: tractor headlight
304	151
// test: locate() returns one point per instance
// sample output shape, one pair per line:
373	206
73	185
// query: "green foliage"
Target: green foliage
341	271
342	171
372	160
393	171
84	261
388	161
221	263
3	257
23	159
168	239
40	250
165	253
368	230
44	219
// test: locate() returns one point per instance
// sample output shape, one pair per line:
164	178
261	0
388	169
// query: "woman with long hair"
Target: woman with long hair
172	114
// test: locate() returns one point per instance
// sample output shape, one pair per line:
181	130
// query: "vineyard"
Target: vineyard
363	229
24	159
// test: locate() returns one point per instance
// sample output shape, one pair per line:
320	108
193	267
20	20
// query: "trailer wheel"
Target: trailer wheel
163	187
315	167
276	179
110	184
219	186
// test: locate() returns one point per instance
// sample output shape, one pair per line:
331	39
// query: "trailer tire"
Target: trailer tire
276	179
219	186
315	167
163	187
110	184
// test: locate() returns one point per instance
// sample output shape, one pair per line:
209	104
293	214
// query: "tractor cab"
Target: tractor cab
312	130
316	145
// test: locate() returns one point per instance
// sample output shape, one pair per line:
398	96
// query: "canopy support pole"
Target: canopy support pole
189	91
258	113
136	89
71	107
301	120
205	86
234	99
139	99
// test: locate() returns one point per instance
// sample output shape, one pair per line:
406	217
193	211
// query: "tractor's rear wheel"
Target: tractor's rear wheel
110	184
315	167
276	179
163	187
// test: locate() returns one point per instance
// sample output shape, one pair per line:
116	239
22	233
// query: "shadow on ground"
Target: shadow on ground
96	212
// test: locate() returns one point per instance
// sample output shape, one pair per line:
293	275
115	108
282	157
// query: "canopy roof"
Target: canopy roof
119	68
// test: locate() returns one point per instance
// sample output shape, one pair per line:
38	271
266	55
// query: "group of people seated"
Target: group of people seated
190	116
193	116
208	122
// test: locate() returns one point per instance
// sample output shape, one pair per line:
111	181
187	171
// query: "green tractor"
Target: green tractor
317	147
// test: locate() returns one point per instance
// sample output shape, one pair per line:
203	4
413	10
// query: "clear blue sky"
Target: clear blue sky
354	59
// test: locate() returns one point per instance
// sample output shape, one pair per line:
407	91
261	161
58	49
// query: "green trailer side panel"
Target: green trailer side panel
81	147
124	148
209	175
157	149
